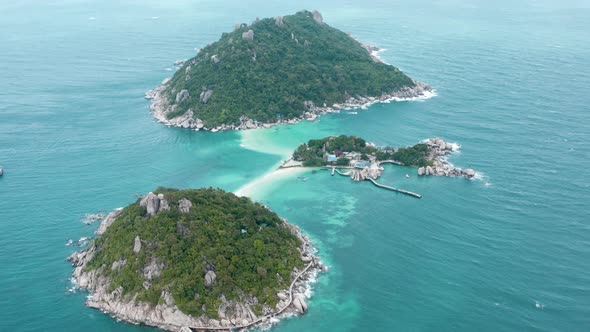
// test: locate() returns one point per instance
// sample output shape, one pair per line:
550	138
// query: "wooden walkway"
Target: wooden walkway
391	162
337	171
263	318
406	192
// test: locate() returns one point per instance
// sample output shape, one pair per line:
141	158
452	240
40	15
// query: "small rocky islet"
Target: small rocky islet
363	159
277	70
185	260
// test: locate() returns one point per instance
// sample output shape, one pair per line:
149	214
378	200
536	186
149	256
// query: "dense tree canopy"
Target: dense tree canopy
250	248
271	76
315	152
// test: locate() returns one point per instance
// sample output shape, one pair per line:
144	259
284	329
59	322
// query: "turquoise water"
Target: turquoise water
507	252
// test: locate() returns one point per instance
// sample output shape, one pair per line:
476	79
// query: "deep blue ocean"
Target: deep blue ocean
509	251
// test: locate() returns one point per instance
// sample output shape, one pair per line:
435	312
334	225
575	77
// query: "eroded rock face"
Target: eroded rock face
164	205
421	171
137	245
300	304
248	35
151	202
118	264
152	270
429	171
210	278
205	95
370	172
317	17
279	21
184	205
182	96
108	221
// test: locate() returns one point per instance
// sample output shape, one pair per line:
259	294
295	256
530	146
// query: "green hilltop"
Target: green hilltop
250	250
347	149
270	70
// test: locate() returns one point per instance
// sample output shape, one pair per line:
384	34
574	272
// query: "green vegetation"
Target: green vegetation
269	78
314	153
416	155
245	243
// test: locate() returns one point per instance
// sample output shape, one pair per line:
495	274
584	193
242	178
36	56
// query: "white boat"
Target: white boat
407	175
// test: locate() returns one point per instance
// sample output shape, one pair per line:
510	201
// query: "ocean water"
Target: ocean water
509	251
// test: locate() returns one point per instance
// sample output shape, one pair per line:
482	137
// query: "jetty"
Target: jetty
406	192
263	318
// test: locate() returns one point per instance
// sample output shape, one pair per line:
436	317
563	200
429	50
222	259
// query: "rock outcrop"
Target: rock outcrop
369	172
205	95
248	35
300	304
137	245
279	21
164	205
210	278
108	221
317	17
154	203
182	96
184	205
469	173
439	150
151	202
152	270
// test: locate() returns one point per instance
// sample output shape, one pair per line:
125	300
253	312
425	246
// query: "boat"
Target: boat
1	171
407	176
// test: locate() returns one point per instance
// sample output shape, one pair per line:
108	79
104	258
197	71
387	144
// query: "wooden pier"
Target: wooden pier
406	192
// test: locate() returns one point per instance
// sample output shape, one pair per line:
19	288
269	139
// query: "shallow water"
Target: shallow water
76	137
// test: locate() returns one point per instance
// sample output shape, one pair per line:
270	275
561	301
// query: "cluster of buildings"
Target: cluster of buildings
354	158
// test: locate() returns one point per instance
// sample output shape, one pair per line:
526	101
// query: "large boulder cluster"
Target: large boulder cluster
157	203
248	35
369	172
439	150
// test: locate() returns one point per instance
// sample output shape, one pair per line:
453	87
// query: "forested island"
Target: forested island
345	150
192	259
277	70
365	159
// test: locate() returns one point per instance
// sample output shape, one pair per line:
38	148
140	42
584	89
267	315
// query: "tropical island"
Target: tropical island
187	260
277	70
363	160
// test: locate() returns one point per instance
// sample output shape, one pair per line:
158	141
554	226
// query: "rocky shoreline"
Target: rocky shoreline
161	106
233	315
439	150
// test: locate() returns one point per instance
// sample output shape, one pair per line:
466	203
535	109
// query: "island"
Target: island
277	70
362	160
189	260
